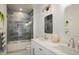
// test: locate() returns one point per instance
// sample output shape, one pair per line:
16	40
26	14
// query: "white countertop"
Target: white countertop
57	48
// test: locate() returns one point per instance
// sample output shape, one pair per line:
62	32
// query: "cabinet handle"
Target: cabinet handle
40	49
33	51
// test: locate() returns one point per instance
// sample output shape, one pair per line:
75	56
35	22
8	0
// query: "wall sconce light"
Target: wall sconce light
20	9
46	8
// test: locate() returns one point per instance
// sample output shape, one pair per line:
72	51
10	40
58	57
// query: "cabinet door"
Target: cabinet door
37	49
44	51
34	48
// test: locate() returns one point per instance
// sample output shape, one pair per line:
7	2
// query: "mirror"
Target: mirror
72	21
48	24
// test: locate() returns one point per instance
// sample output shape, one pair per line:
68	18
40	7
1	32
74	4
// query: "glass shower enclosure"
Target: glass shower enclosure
20	26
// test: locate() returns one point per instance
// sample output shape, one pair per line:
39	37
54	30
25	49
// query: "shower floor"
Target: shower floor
21	47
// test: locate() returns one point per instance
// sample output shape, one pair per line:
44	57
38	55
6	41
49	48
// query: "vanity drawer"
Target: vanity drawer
44	51
38	49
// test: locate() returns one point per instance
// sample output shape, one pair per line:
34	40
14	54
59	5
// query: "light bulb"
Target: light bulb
21	9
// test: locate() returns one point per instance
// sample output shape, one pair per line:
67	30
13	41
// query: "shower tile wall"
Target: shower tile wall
19	26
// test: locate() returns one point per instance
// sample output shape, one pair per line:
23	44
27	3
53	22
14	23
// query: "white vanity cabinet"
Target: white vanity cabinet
45	47
37	49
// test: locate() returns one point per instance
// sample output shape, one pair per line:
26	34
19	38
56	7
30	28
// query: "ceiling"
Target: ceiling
16	7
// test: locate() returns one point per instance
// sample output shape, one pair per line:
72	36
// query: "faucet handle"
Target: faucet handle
68	44
73	43
78	46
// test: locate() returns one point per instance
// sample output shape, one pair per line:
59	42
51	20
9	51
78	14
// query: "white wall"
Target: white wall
72	14
58	20
37	21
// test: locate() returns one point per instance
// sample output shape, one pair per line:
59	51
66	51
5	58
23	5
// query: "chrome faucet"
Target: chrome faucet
73	43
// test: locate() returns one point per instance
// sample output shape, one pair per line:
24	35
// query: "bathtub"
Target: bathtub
18	45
